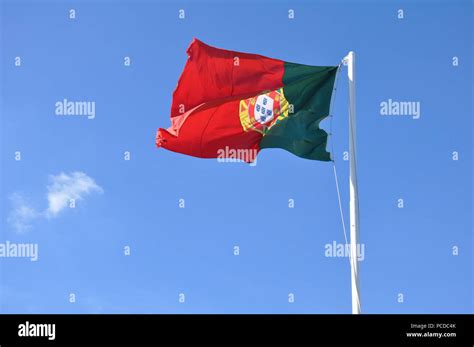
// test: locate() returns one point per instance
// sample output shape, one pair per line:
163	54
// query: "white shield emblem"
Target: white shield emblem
263	111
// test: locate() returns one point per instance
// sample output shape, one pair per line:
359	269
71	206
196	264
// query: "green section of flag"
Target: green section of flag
309	90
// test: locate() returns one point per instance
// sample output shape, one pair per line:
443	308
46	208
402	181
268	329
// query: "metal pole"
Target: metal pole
353	191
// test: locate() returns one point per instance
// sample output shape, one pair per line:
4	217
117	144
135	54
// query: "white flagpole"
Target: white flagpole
353	191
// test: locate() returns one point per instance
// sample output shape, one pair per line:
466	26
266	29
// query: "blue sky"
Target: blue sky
189	250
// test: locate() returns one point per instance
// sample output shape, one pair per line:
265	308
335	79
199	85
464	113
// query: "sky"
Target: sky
125	244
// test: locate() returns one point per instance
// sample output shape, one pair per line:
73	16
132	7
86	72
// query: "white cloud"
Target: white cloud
62	188
22	214
65	187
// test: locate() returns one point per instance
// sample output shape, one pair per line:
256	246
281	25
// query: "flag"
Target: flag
230	104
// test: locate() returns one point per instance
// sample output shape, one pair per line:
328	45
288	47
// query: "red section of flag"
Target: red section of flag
212	73
213	132
205	107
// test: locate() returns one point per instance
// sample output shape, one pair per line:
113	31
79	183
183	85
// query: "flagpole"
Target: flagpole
353	191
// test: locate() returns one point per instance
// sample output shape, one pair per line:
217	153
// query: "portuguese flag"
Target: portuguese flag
231	105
